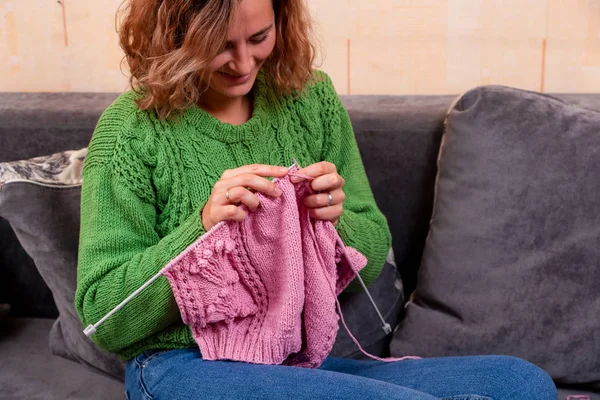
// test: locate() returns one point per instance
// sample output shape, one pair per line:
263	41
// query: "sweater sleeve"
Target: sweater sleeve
361	225
119	248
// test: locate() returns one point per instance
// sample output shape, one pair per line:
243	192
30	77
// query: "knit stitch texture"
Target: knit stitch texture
146	180
263	290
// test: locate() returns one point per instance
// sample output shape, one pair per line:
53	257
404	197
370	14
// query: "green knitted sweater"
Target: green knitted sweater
146	181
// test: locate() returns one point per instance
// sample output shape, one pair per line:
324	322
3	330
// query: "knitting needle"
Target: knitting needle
295	163
386	327
91	329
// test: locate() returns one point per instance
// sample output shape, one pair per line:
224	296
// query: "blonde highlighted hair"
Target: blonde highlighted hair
169	45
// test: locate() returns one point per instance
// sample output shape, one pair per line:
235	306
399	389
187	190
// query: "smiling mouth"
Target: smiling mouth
235	79
233	75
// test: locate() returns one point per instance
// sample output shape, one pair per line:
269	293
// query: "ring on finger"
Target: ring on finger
330	202
227	195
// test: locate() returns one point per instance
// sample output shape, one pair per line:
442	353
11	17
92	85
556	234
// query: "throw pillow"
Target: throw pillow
512	261
40	199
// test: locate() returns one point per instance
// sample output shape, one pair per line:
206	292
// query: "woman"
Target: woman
224	98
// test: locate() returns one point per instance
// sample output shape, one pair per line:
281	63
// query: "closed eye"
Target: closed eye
258	40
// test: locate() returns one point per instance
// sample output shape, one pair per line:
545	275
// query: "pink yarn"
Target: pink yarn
317	326
261	290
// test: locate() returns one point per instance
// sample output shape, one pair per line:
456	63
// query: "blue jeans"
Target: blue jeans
183	374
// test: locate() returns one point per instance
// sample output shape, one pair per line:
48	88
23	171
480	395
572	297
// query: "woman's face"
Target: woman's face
250	40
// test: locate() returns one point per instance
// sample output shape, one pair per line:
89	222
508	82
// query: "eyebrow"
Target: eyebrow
262	31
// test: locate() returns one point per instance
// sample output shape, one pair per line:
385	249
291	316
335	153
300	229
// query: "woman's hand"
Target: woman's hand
236	187
327	204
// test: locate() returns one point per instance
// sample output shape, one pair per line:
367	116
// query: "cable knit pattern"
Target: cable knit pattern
145	182
252	290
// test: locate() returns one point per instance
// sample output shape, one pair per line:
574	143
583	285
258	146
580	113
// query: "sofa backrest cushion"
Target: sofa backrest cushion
399	138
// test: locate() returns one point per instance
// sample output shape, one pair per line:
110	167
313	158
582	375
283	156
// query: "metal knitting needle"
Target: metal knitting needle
294	164
91	328
385	326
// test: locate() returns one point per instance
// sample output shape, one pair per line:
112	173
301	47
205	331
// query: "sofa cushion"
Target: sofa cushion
29	371
399	138
512	261
40	199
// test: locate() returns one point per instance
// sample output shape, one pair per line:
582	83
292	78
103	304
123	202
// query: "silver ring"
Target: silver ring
227	195
330	199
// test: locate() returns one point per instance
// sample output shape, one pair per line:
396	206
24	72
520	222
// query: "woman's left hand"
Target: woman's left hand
327	203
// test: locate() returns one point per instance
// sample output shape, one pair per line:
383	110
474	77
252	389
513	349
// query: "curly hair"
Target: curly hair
161	40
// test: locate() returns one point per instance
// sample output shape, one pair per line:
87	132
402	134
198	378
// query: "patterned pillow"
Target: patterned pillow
40	198
61	169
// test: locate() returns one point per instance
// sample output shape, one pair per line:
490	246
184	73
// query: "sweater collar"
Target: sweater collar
208	125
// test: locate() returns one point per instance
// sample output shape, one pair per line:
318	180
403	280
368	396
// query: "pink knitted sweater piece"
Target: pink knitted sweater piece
264	290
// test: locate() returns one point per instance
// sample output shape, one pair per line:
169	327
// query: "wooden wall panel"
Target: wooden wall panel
495	42
97	68
33	44
398	47
375	47
333	39
573	46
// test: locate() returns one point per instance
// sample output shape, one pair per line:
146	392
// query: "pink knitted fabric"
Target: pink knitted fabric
261	290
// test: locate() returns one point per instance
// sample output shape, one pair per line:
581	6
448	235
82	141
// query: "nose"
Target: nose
243	61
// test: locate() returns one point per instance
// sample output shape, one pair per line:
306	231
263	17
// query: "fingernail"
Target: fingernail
278	191
283	170
294	179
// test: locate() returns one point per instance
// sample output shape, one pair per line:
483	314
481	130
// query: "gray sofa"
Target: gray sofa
399	138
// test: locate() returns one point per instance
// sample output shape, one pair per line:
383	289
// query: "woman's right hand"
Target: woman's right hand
239	184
